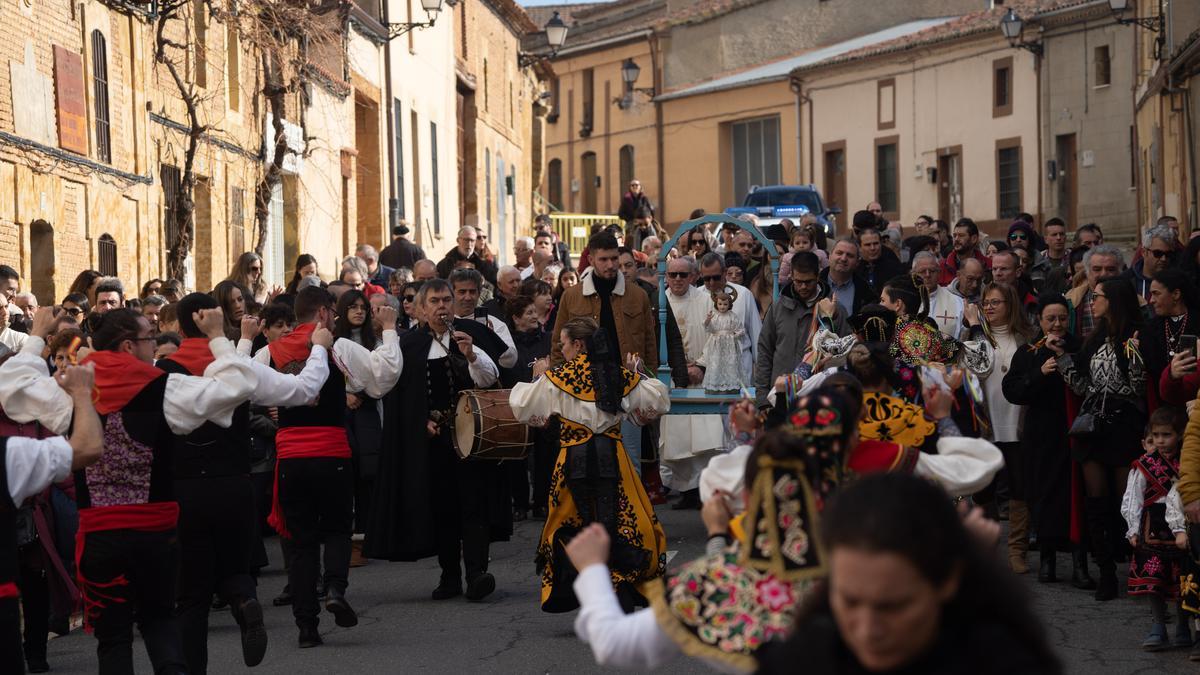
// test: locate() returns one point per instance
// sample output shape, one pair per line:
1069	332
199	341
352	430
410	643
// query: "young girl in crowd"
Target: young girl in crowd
800	239
1156	528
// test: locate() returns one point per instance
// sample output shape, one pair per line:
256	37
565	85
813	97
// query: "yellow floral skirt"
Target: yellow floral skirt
639	546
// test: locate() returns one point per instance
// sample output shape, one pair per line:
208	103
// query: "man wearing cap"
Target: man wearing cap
401	252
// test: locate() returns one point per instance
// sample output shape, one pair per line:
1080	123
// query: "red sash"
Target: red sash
300	443
120	376
194	355
294	346
149	517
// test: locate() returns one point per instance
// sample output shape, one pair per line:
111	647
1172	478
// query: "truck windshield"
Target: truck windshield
806	198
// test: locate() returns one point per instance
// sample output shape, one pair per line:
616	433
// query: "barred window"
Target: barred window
106	250
100	96
171	179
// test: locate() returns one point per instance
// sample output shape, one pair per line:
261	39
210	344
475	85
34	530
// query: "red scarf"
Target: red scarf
294	346
120	376
194	355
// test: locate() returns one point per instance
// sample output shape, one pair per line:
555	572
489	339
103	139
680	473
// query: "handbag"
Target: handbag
1088	424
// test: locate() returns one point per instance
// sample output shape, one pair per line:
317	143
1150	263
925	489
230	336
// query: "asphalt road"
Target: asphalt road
402	630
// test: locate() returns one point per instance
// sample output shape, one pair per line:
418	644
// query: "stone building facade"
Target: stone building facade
94	131
1166	100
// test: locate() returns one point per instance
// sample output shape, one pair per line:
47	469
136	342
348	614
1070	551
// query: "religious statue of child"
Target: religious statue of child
722	352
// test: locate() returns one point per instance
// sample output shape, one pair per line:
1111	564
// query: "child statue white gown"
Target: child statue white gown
722	354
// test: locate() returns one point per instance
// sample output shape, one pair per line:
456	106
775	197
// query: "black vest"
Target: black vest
210	451
330	407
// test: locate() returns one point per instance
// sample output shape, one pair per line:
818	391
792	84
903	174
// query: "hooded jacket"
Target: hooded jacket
787	332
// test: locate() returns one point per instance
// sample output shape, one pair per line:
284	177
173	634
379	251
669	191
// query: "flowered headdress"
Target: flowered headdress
724	607
919	342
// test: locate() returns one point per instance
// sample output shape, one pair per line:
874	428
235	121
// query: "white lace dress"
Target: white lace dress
723	355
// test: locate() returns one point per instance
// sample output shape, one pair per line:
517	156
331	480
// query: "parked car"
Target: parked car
773	203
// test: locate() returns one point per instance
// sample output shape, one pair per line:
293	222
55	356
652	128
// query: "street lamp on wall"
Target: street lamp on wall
629	75
1012	26
432	9
1153	24
556	37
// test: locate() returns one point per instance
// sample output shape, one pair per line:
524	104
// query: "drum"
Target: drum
486	428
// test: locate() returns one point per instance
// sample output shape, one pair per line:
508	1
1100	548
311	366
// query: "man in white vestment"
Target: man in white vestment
945	307
689	441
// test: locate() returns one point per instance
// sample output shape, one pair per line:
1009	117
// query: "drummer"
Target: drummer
593	479
428	501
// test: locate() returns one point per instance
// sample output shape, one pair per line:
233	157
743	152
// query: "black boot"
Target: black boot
309	637
1080	577
1098	525
335	604
1047	571
254	635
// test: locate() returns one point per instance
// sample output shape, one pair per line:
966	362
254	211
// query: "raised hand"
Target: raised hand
387	316
43	322
589	547
77	381
322	337
971	314
211	322
250	327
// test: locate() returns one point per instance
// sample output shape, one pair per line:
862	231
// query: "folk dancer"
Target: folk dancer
593	478
314	479
127	548
28	466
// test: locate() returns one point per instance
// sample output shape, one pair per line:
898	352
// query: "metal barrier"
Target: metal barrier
575	228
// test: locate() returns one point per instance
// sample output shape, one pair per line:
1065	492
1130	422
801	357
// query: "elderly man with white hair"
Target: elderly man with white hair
379	273
508	286
652	246
945	307
466	248
689	441
523	253
1101	260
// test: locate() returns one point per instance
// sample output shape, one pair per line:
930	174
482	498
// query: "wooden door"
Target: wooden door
588	183
1068	181
950	187
835	176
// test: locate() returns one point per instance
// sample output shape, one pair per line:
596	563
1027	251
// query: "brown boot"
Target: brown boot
1018	536
356	554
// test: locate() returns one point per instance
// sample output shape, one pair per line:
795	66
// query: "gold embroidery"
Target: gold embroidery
575	378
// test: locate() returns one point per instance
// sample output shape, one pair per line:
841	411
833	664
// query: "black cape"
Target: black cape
401	525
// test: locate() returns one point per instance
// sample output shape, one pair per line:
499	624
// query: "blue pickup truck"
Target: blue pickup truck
773	203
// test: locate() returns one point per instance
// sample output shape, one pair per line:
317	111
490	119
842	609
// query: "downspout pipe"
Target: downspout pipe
390	133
